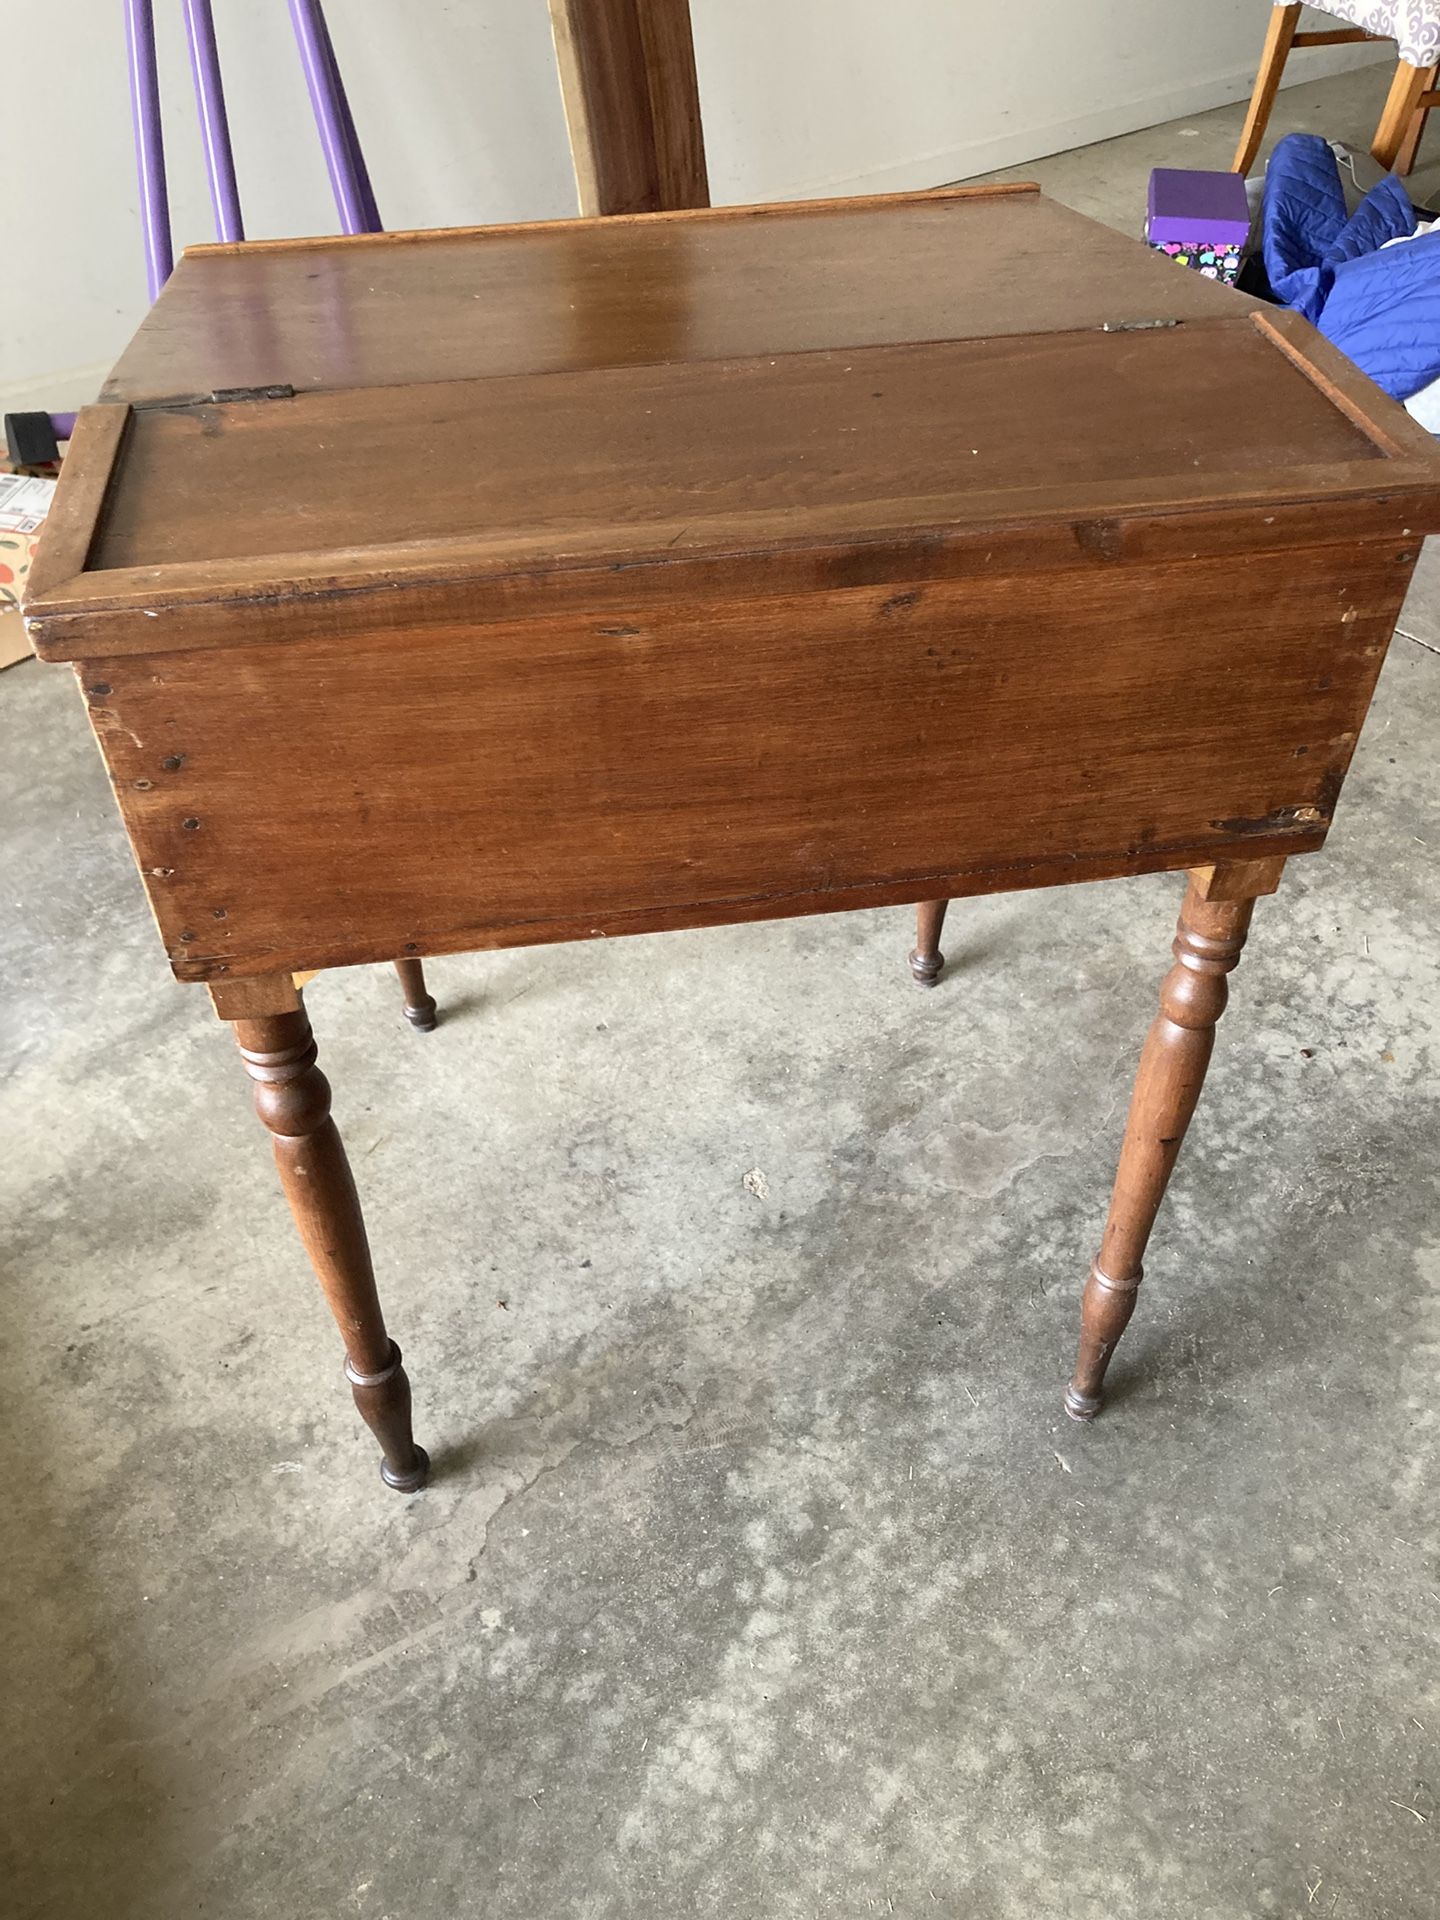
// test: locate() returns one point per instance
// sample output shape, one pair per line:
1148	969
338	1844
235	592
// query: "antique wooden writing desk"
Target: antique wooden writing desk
475	589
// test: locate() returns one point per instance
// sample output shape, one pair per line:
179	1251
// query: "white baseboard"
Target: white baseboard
1030	142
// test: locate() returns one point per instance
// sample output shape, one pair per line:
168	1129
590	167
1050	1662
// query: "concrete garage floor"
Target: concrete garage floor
762	1574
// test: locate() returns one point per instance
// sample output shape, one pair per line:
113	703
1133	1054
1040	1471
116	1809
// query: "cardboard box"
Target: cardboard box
14	643
24	501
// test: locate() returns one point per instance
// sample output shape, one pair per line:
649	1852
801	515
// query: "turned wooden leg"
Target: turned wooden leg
1397	139
927	960
292	1097
1279	38
419	1006
1213	924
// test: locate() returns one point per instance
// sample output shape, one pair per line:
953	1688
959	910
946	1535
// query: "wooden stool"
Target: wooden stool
1415	24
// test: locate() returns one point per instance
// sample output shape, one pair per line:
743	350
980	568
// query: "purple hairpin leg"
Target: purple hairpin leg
149	143
214	123
36	437
349	177
368	208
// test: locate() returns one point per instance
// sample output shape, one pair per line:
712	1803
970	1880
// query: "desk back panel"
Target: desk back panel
365	793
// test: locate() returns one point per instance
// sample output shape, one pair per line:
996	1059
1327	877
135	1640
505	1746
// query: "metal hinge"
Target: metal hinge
222	396
1136	326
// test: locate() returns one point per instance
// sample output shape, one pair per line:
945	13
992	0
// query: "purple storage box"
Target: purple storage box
1200	220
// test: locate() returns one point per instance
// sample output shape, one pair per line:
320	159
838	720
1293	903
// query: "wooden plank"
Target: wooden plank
70	525
1337	37
1398	135
701	457
104	615
393	239
1350	391
566	295
1238	880
632	104
1049	871
1279	39
258	997
352	798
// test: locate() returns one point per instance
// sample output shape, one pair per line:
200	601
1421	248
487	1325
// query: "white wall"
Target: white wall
857	95
459	110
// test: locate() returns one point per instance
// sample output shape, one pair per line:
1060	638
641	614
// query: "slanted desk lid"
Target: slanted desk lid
778	470
716	283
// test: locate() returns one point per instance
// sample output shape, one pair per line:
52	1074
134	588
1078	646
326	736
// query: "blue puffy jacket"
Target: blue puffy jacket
1380	308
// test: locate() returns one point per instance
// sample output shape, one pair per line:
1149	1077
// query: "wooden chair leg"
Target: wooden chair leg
1410	145
1397	139
1279	38
1213	924
419	1006
927	960
292	1097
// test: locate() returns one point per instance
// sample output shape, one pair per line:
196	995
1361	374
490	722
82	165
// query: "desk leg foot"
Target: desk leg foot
419	1006
292	1097
927	960
1213	924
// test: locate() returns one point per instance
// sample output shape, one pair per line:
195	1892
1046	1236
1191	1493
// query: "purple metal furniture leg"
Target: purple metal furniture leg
349	177
368	208
34	438
149	143
214	123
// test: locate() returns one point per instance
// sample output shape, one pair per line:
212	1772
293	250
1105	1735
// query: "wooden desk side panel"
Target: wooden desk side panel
360	795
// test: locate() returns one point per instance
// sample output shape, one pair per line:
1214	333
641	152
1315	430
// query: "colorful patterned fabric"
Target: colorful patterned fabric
1413	24
1214	263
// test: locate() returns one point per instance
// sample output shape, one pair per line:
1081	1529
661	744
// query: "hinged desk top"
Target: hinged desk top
665	389
537	582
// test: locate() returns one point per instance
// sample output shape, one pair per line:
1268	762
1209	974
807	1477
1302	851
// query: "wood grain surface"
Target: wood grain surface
529	469
632	104
440	788
968	263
